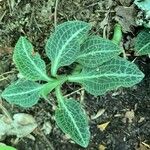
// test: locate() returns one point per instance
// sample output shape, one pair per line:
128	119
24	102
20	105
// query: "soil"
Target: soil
127	109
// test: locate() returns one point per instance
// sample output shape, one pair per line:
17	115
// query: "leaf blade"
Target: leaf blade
111	75
24	93
63	46
72	120
142	43
143	5
96	50
29	64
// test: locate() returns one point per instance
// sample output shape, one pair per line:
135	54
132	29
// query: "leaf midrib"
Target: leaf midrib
96	52
144	47
82	77
23	93
32	62
56	61
74	123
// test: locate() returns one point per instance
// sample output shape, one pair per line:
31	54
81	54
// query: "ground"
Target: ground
126	110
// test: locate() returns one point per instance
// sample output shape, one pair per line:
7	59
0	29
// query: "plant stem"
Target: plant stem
117	36
53	71
59	95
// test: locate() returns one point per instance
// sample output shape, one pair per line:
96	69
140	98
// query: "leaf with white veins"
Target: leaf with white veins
142	43
143	4
63	46
23	92
72	120
29	64
96	50
111	75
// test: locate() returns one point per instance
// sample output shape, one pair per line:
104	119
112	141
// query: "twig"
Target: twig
5	111
82	96
124	54
9	6
2	16
55	13
4	78
5	73
74	92
45	138
134	60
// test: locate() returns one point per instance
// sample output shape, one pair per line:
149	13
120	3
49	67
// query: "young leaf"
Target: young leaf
142	43
30	65
63	46
111	75
23	92
72	120
96	50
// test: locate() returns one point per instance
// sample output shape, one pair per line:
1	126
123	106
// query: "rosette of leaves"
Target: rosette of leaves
100	69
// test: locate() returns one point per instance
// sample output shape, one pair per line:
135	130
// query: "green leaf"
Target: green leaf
143	4
142	43
72	120
96	50
111	75
23	92
63	46
5	147
29	64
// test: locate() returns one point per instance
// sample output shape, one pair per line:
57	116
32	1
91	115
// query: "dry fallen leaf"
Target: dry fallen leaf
23	119
103	126
126	17
21	125
101	147
99	113
125	2
47	128
141	119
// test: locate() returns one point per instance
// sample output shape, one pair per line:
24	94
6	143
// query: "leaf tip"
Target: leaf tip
86	143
